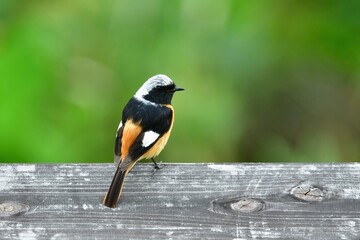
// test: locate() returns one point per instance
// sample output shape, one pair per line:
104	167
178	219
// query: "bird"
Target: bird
144	130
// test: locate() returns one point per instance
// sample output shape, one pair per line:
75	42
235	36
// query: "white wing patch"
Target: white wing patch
120	125
149	138
117	131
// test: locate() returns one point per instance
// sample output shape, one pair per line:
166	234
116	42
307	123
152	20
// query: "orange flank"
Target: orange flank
130	133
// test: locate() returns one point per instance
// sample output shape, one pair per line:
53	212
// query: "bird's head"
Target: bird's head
158	89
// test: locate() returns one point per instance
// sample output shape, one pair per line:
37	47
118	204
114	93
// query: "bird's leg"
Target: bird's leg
157	166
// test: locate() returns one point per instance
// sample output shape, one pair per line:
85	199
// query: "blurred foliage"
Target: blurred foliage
265	80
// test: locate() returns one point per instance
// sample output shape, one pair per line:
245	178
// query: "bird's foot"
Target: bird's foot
157	166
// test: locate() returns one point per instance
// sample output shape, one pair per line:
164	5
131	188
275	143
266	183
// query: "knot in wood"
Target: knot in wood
309	193
8	209
247	205
236	205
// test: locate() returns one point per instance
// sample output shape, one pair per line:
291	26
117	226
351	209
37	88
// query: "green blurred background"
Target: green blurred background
266	81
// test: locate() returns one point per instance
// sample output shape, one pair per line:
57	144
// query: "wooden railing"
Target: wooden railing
182	201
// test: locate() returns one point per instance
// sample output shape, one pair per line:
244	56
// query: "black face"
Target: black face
162	94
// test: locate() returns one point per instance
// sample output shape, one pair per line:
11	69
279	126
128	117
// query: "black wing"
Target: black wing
117	148
152	117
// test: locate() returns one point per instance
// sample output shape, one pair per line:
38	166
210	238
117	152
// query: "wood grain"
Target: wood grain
182	201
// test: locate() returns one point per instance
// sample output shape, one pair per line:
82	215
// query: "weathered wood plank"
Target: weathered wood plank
182	201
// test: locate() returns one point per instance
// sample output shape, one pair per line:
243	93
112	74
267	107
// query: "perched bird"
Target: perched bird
144	130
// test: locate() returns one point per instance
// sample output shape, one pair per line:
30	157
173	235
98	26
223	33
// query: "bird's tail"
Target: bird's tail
113	194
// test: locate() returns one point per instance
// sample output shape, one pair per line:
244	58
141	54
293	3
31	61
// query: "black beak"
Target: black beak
175	89
178	89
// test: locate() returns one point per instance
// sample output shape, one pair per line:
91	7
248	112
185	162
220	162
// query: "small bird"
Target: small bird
144	130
